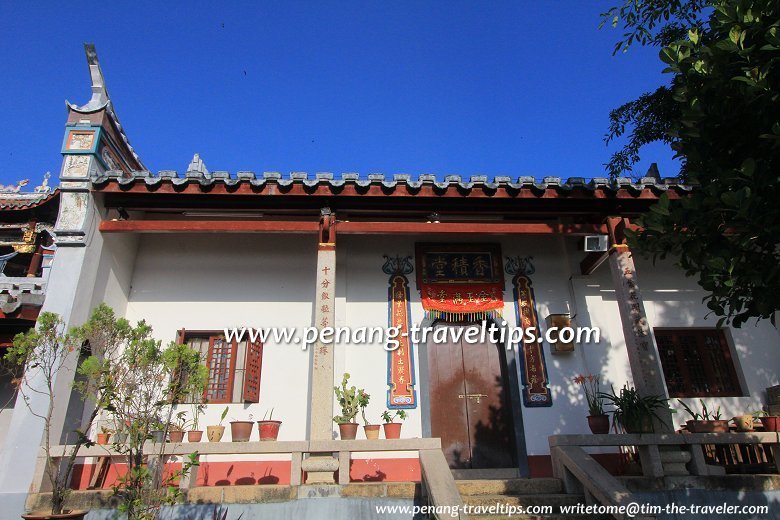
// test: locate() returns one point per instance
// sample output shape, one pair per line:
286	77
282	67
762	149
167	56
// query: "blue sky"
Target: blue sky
450	87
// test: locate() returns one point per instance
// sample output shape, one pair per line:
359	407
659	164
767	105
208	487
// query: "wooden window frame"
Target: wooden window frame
699	334
250	390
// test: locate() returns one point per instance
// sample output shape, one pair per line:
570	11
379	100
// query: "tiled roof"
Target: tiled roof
21	201
464	185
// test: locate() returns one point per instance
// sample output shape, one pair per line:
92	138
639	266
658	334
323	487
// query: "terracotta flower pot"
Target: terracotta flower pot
71	515
157	435
176	436
348	431
194	435
392	430
102	438
598	424
240	431
215	433
371	431
269	430
708	426
771	423
744	423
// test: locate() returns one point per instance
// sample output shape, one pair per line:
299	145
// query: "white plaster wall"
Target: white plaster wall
203	282
209	282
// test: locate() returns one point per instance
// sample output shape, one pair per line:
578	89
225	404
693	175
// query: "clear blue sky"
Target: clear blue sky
449	87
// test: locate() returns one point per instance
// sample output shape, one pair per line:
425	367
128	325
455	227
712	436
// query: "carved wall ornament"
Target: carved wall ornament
533	369
401	391
397	265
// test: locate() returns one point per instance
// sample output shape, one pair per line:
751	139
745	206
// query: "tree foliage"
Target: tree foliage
723	119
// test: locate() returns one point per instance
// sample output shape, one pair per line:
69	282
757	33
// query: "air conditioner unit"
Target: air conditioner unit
595	243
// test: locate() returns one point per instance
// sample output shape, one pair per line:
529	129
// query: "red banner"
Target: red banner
463	299
400	372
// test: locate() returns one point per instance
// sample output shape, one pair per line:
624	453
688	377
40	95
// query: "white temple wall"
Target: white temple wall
205	282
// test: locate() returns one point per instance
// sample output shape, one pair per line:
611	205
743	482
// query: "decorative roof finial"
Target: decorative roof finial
13	188
197	166
44	187
100	97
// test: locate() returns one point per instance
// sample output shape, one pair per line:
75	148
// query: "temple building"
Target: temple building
198	251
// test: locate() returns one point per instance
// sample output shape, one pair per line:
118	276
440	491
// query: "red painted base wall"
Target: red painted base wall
244	473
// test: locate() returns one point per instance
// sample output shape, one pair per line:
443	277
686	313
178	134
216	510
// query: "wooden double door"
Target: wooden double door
469	401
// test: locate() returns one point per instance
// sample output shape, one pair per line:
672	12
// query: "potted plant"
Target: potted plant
598	421
634	413
194	434
705	422
743	423
157	430
349	400
771	423
393	429
104	435
176	427
215	432
268	428
371	430
241	431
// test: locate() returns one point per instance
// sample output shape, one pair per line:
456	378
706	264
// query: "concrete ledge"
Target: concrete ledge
240	494
636	439
382	489
266	447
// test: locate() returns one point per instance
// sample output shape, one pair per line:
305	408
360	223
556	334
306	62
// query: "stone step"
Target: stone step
762	482
548	499
517	486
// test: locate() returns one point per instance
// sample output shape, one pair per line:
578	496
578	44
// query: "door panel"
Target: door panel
469	403
490	435
448	411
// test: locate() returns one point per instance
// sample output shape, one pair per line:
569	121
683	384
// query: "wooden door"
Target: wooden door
469	403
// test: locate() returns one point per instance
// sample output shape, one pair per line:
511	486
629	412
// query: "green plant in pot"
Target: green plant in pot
598	421
349	401
177	426
392	428
194	433
704	420
214	432
634	413
371	430
268	428
771	423
744	422
241	431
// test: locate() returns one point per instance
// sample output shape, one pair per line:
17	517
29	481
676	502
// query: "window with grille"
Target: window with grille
697	363
234	368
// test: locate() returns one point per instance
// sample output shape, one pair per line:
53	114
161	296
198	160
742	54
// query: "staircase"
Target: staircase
480	495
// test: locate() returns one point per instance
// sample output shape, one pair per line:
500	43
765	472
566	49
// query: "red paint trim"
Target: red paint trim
470	227
344	227
239	473
201	226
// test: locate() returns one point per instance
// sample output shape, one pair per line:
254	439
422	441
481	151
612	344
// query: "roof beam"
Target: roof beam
346	227
209	226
